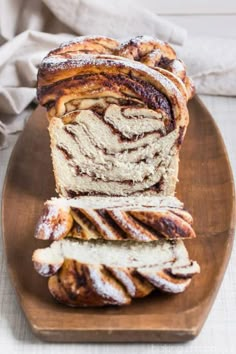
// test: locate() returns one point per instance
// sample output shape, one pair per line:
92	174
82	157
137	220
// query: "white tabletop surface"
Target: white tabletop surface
218	335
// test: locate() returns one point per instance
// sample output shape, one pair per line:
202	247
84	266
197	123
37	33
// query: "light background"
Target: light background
218	335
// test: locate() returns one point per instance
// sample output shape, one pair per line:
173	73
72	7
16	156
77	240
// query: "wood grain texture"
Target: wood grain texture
206	187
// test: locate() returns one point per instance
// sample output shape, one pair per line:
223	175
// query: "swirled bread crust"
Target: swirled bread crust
98	273
152	52
61	80
142	219
116	125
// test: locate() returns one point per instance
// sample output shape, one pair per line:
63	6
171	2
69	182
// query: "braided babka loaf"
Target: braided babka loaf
97	273
142	219
117	116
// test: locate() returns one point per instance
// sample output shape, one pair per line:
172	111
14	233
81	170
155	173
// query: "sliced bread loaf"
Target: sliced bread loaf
95	273
115	218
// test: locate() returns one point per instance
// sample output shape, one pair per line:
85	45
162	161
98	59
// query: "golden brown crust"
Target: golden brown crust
101	222
83	227
140	47
86	44
166	282
114	224
166	223
55	223
189	86
183	214
157	55
176	80
132	228
152	52
95	76
135	285
85	285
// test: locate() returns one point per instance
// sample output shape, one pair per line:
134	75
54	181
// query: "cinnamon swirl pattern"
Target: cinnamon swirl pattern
155	53
117	118
116	125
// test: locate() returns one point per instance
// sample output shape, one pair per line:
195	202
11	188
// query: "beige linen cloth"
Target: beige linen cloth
30	28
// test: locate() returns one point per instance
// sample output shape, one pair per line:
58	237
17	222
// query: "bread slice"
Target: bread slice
96	273
142	219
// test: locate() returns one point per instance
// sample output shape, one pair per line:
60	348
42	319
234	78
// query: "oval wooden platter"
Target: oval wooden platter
206	187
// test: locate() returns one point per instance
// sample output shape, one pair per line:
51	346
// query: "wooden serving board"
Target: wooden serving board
206	187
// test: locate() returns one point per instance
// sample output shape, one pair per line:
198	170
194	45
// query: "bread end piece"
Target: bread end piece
45	262
55	222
